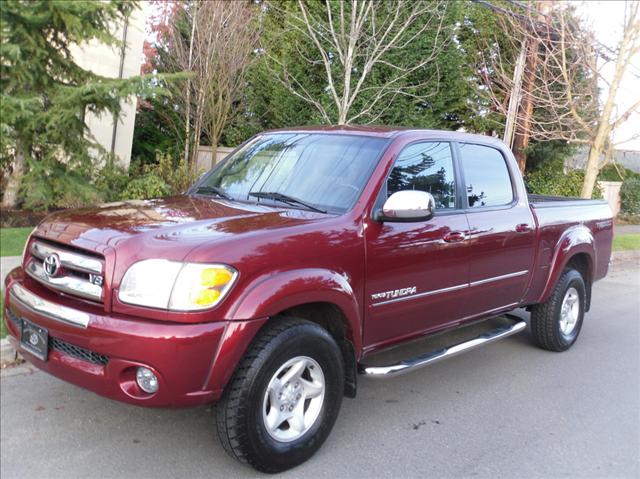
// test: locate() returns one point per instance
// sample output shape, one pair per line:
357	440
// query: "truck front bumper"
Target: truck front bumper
192	362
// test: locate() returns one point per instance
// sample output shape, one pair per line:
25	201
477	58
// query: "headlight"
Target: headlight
164	284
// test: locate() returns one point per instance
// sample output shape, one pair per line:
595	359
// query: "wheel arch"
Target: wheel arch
318	295
332	318
576	249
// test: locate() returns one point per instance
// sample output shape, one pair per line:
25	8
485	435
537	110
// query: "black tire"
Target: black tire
546	317
239	413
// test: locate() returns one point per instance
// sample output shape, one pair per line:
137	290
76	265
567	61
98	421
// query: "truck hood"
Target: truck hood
146	228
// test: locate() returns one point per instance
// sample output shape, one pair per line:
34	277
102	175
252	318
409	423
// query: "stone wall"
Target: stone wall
611	193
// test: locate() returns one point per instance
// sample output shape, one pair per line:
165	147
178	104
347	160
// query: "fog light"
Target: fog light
147	381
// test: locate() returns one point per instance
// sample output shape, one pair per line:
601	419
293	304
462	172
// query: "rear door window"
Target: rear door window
486	176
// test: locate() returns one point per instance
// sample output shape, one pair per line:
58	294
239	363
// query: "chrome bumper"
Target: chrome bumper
51	310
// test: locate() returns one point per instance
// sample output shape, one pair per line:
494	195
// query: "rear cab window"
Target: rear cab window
486	176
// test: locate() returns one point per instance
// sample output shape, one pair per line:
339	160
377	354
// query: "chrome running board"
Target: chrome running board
408	365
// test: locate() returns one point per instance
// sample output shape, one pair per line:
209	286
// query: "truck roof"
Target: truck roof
388	132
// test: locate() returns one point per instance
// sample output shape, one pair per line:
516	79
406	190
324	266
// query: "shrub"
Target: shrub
613	172
176	174
111	181
630	196
57	185
163	178
548	181
548	154
147	186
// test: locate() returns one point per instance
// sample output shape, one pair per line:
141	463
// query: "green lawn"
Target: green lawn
12	240
626	242
3	328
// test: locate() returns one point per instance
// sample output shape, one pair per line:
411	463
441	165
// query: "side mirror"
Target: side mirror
407	206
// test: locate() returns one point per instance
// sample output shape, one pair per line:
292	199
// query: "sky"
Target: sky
606	19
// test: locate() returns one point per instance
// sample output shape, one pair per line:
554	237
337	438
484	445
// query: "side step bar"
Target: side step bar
408	365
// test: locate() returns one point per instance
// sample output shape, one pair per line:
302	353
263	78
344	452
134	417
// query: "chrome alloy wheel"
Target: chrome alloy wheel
293	399
569	311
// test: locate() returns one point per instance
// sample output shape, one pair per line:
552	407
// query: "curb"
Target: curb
627	255
8	355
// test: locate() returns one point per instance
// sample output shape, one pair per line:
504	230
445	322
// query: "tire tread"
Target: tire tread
544	317
231	409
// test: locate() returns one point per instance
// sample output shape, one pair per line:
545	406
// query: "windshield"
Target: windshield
326	172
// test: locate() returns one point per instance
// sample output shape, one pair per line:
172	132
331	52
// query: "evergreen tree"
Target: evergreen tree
45	96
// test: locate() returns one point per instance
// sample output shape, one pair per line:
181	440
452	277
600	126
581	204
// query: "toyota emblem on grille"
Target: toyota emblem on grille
51	265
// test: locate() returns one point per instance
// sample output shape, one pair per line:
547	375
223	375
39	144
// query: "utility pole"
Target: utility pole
514	99
522	130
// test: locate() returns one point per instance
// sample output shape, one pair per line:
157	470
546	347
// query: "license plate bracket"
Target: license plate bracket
34	339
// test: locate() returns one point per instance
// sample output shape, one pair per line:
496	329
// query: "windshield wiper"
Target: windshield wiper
272	195
213	190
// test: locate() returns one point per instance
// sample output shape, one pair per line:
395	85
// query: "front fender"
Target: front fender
268	296
575	240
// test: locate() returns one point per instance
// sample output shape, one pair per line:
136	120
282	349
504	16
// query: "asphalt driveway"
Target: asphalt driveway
508	410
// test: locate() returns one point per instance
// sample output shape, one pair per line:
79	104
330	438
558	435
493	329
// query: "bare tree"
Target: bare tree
555	69
217	48
352	38
562	95
628	47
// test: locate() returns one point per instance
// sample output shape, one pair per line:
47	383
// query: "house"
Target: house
115	134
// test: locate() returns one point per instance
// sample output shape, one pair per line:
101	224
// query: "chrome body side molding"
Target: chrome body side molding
499	278
452	288
422	295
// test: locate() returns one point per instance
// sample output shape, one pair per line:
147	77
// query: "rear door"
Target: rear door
415	270
501	234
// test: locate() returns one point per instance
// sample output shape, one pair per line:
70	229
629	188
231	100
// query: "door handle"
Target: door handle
454	237
523	228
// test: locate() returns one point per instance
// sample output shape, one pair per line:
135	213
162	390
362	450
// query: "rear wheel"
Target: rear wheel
284	397
556	323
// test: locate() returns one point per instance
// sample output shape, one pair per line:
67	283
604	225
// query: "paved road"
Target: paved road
508	410
626	229
7	263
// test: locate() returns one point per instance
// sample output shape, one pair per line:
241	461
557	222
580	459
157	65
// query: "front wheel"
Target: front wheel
284	397
556	323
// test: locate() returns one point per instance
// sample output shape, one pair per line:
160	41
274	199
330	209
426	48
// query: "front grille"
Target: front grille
77	352
66	270
13	318
63	346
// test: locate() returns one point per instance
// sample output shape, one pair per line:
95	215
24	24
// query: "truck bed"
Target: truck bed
554	216
542	201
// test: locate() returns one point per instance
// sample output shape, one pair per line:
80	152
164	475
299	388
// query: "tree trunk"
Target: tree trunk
523	126
187	115
342	115
525	112
10	197
605	124
591	171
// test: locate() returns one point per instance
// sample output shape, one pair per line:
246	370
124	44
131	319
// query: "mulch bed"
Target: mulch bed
21	218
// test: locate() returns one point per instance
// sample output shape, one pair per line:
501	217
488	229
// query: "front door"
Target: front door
415	271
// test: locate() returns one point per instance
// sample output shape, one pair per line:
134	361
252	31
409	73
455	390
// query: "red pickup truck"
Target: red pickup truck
271	283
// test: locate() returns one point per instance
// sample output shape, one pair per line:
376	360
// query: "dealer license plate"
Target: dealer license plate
35	339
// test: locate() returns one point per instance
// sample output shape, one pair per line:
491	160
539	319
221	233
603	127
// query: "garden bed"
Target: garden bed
21	218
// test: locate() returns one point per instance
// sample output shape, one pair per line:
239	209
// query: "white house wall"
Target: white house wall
105	60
